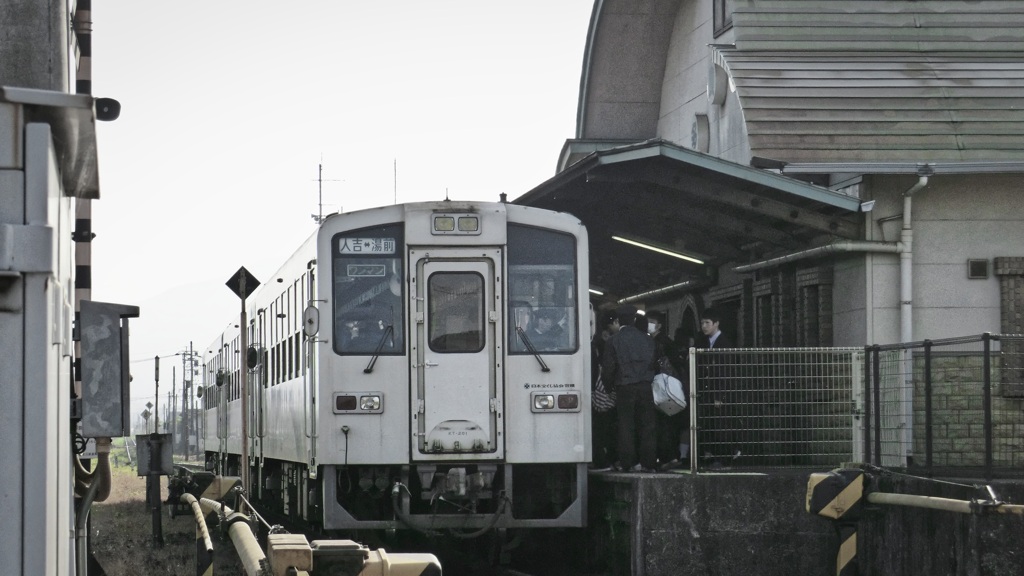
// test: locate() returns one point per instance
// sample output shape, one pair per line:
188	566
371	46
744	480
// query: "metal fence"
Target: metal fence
951	407
775	407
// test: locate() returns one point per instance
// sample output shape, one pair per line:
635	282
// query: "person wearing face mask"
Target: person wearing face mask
670	428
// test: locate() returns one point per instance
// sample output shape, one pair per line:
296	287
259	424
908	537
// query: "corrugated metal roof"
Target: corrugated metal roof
880	81
893	25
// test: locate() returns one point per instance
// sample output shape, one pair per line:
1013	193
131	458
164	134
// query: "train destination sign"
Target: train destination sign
366	246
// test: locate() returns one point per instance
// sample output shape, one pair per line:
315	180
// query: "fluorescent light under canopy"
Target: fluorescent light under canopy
658	250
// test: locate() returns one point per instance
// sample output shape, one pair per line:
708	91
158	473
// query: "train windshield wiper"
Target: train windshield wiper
530	347
380	346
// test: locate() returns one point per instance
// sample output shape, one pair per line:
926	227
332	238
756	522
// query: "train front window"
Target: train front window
456	312
543	309
368	288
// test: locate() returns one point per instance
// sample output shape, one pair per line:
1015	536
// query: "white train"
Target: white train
420	366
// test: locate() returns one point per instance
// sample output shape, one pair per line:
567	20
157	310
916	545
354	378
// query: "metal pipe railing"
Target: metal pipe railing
204	550
245	542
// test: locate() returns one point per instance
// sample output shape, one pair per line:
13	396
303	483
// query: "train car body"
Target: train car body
420	366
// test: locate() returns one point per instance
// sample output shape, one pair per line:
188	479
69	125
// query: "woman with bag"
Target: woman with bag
673	447
604	420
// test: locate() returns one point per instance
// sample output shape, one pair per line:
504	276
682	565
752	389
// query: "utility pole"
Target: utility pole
174	407
186	381
156	396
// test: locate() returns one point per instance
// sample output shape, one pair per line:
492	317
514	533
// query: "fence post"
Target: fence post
986	366
868	377
876	390
928	406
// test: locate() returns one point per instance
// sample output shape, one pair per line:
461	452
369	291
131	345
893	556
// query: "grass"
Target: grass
122	533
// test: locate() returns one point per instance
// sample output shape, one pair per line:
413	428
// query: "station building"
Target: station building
847	173
825	175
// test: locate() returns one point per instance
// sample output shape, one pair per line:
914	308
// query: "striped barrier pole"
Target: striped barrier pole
839	495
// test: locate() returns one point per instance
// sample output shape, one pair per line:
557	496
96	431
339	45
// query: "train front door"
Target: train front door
457	385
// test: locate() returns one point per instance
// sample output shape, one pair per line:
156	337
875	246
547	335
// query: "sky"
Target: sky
230	109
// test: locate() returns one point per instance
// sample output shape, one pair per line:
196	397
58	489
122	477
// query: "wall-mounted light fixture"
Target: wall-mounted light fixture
658	250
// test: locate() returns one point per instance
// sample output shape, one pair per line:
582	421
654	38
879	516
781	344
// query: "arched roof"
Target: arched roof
825	81
623	68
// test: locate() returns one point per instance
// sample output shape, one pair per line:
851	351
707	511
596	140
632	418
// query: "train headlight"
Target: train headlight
370	403
344	403
543	402
568	402
553	402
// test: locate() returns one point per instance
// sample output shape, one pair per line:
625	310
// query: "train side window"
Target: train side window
456	319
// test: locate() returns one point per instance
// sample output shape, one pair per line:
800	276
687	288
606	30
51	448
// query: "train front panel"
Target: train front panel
441	403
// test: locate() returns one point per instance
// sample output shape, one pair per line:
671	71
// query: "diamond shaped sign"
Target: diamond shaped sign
242	283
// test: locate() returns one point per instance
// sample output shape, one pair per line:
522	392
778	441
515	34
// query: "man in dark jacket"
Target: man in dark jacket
629	361
721	422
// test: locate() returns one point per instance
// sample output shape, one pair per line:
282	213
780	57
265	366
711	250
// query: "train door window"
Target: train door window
543	308
368	285
456	319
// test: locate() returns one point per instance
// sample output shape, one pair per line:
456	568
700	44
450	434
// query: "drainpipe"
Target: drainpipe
907	318
906	264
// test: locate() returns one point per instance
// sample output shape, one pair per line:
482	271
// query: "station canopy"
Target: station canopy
665	196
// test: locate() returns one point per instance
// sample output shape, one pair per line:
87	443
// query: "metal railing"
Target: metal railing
775	407
952	406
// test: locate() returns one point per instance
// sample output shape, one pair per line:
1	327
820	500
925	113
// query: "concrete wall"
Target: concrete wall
707	525
34	49
954	218
684	93
734	524
625	69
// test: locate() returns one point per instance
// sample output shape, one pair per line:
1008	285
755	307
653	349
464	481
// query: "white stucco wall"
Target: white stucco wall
684	92
954	218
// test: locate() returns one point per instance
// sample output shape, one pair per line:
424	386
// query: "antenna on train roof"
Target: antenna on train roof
319	216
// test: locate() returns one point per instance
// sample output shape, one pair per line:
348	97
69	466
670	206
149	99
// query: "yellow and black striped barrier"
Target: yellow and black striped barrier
839	495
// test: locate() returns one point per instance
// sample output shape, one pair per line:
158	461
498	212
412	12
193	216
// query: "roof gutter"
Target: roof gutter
841	246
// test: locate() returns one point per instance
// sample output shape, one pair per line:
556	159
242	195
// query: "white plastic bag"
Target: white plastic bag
668	394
